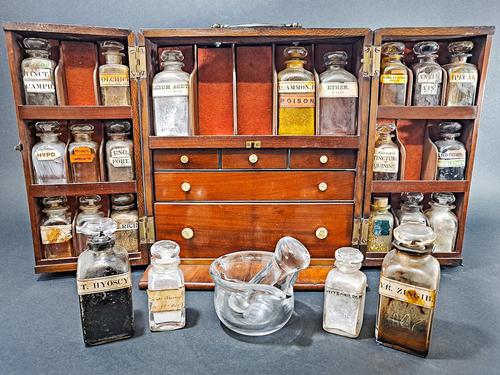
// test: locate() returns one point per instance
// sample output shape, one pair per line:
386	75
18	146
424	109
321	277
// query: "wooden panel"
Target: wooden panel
427	113
235	186
312	159
223	228
55	30
36	112
265	159
418	186
82	189
196	159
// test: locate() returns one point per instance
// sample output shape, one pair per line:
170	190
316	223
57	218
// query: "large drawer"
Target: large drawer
211	230
185	159
234	186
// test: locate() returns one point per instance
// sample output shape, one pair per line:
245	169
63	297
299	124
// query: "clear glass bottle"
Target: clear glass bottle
380	225
84	154
462	76
55	228
90	206
171	96
338	93
345	290
394	75
49	155
104	286
166	295
452	155
409	282
119	152
38	73
411	209
127	221
113	75
428	75
296	95
386	154
443	221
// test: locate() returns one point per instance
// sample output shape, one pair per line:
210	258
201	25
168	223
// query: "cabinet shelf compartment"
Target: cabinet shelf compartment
427	113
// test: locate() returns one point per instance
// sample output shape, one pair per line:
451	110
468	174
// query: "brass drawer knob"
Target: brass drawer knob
184	159
323	159
323	186
185	187
253	158
187	233
321	233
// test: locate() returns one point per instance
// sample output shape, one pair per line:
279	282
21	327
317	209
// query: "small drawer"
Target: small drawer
323	159
185	159
254	159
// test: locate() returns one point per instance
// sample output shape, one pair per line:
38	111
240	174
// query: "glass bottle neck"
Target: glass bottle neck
295	64
112	58
441	207
90	210
82	137
38	53
385	137
49	137
393	59
173	66
164	268
101	246
347	268
409	208
56	212
449	135
380	210
427	58
117	137
338	66
459	58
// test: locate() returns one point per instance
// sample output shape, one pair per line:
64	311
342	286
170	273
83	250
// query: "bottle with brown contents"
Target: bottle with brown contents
114	76
119	152
462	75
90	206
127	221
395	76
84	154
55	228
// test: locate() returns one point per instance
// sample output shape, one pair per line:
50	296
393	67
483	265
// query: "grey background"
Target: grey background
39	325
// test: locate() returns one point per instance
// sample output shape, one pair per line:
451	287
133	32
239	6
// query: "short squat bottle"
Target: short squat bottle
113	75
462	76
55	228
171	96
84	154
296	95
166	296
338	93
119	152
380	226
452	155
49	155
411	209
345	290
395	76
126	217
443	221
38	73
104	286
386	154
90	209
428	75
409	282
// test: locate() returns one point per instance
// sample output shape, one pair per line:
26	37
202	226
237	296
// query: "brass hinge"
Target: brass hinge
137	61
364	232
371	61
147	230
355	231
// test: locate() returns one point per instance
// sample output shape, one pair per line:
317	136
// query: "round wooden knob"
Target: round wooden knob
187	233
323	159
185	187
253	158
184	159
321	233
323	186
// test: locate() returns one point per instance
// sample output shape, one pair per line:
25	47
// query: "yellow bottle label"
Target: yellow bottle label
113	79
104	284
407	293
82	154
464	77
166	300
395	79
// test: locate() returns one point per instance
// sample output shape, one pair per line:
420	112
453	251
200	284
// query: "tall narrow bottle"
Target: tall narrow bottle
380	226
90	206
443	221
119	152
428	75
113	75
386	154
452	155
84	154
462	76
394	75
55	228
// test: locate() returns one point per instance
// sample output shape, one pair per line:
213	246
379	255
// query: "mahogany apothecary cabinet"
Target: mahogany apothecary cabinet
235	184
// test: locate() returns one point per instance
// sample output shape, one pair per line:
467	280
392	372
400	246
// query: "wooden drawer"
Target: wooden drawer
185	159
234	186
254	159
211	230
323	159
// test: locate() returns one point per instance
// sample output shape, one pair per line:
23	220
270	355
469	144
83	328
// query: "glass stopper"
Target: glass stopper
82	128
36	44
165	252
449	127
118	127
442	198
335	58
425	48
393	48
54	202
348	256
411	198
99	228
47	126
171	55
122	201
295	52
86	201
385	128
414	237
461	47
112	47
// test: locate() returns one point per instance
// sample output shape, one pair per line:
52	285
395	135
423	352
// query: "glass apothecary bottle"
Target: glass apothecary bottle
452	155
84	154
296	95
395	76
55	228
345	290
166	295
380	226
171	96
411	209
409	282
338	93
462	76
127	221
104	286
427	75
119	152
49	155
113	75
386	154
90	206
443	221
38	73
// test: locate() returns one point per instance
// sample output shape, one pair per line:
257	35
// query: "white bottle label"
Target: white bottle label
38	80
296	87
127	226
434	77
162	89
114	79
47	154
342	310
166	300
120	157
386	160
429	89
407	293
464	77
104	284
451	158
338	90
52	234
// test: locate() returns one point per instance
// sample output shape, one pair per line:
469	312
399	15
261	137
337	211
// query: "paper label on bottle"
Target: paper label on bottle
342	310
470	77
297	101
381	228
52	234
104	284
38	80
429	89
296	87
397	79
338	90
127	226
47	154
82	154
407	293
166	300
120	157
451	158
386	160
162	89
113	79
434	77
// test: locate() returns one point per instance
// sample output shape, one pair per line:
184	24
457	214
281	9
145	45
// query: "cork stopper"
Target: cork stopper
380	202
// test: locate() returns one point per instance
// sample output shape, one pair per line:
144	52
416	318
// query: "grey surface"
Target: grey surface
39	325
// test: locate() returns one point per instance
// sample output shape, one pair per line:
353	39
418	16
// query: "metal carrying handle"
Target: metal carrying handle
293	25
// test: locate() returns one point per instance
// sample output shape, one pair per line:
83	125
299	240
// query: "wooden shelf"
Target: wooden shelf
41	112
267	141
449	259
69	264
427	113
36	190
419	186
